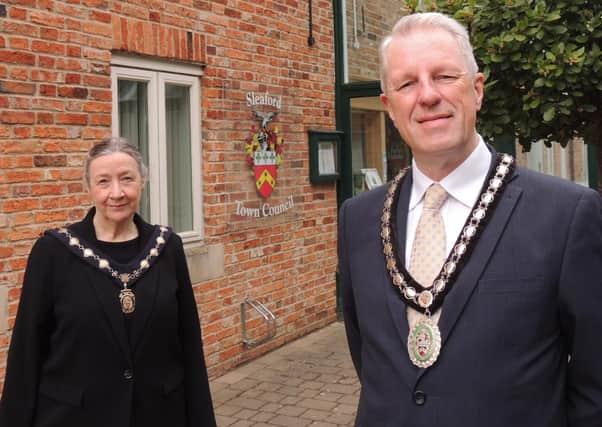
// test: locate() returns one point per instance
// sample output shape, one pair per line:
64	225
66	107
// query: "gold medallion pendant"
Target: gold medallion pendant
424	343
127	300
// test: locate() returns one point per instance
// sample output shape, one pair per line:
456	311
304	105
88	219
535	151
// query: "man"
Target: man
472	288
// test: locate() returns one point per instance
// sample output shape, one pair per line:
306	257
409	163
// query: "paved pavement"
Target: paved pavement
309	382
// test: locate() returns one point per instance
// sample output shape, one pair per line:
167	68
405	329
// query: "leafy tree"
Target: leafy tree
542	63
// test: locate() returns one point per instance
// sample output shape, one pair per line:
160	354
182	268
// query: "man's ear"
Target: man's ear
479	88
385	100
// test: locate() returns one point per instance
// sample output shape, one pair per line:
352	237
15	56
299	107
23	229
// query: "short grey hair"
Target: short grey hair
435	20
112	145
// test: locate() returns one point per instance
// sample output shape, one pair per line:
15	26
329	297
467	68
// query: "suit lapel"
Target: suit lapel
146	294
104	289
469	277
397	307
459	295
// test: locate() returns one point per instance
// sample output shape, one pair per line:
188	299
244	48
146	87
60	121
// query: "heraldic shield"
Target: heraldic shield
264	154
265	168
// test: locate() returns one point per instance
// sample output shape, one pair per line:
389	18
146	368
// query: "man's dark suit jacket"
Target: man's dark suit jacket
73	363
529	297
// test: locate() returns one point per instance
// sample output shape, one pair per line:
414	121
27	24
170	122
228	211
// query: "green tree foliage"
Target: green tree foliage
542	63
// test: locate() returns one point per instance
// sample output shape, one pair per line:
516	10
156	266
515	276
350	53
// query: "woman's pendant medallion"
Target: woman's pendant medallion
127	300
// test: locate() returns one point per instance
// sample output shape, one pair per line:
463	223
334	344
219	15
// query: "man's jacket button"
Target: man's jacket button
419	398
128	374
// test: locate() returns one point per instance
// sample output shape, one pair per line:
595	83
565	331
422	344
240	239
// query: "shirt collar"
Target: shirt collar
463	183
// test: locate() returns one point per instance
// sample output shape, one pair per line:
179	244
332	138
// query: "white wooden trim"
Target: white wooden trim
160	66
152	72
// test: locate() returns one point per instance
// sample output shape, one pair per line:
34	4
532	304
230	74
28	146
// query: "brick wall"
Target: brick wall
55	101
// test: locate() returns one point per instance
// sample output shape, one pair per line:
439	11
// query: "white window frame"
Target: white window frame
158	74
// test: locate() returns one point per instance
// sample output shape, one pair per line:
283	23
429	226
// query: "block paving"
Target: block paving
308	382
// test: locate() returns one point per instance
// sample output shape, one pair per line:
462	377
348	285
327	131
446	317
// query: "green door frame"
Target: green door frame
343	116
592	165
343	94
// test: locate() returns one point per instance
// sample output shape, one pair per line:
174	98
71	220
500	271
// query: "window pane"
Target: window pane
179	163
570	162
376	146
133	125
365	24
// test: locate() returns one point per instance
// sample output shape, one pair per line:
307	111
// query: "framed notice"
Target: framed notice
372	178
324	148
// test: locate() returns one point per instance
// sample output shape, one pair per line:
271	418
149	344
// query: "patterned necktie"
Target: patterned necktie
428	250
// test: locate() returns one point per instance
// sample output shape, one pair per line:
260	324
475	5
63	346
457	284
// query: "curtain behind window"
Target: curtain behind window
179	164
133	125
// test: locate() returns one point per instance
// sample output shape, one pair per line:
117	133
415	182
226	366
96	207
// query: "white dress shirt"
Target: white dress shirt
463	186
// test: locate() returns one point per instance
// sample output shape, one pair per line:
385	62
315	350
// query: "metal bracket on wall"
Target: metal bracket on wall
268	317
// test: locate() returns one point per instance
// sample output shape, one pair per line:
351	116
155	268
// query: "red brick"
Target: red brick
71	119
44	118
22	218
48	47
101	95
95	134
73	92
19	73
100	4
74	37
6	251
13	57
52	216
21	103
96	54
22	176
71	64
46	4
48	90
45	161
46	61
24	132
49	33
98	29
104	120
69	202
75	188
46	19
17	264
23	204
97	15
73	78
17	87
18	13
44	75
18	43
20	117
74	51
67	10
49	132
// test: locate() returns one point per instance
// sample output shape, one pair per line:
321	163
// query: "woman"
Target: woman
107	332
